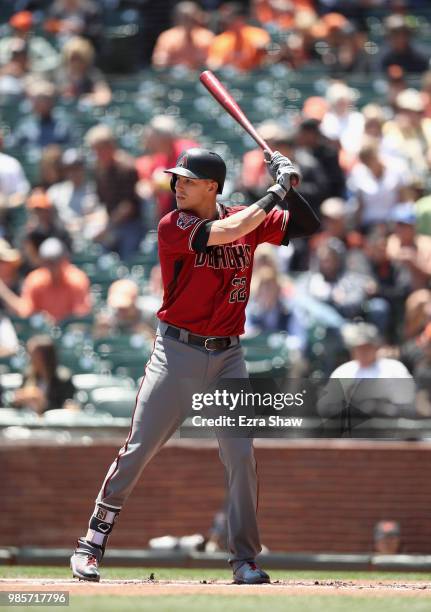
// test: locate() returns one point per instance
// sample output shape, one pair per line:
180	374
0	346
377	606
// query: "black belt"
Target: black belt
211	343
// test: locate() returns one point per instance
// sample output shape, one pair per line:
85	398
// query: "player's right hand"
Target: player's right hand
280	167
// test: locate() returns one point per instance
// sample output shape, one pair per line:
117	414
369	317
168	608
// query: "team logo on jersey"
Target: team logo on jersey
184	220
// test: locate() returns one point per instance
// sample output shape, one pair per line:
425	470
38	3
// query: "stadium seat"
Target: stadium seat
117	401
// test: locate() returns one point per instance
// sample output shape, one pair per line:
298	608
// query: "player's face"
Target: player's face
193	194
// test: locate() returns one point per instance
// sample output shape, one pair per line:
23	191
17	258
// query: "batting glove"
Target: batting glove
279	167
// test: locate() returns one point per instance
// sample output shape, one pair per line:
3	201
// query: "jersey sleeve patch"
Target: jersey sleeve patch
185	220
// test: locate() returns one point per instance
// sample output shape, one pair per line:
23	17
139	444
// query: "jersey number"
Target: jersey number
239	293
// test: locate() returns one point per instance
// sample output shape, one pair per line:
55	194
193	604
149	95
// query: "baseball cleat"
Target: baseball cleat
84	562
249	573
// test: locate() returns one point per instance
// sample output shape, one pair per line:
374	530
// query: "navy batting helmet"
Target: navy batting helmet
199	164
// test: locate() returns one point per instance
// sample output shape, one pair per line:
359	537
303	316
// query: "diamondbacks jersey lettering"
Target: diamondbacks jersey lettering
207	292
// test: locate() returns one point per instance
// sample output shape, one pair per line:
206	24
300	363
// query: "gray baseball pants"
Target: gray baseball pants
161	408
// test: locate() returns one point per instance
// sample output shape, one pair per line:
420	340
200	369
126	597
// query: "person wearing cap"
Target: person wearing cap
399	50
187	43
57	288
162	143
43	57
116	181
387	538
123	315
75	198
368	385
412	251
409	132
42	217
45	125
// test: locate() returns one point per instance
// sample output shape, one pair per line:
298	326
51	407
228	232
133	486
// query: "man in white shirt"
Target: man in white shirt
373	385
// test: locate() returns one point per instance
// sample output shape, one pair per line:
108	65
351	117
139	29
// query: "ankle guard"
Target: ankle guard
101	525
84	547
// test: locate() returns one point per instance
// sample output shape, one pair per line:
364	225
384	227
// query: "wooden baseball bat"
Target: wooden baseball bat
225	99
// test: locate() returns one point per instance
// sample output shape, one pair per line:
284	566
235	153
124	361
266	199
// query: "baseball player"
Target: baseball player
206	255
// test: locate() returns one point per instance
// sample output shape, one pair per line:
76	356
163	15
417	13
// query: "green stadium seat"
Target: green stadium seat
117	401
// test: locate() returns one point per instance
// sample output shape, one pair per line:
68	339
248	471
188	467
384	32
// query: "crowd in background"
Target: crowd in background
365	170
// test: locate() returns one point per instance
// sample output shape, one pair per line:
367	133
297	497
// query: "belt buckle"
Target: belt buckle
207	347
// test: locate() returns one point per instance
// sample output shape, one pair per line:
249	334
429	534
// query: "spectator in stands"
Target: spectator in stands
43	57
409	132
399	50
408	249
240	45
123	315
14	74
10	262
116	179
331	283
14	185
387	538
342	51
162	145
369	385
374	116
342	123
392	283
57	288
68	18
417	313
315	180
281	13
268	309
335	224
377	186
42	216
78	79
43	126
419	359
312	140
50	166
187	43
149	302
75	198
9	344
46	385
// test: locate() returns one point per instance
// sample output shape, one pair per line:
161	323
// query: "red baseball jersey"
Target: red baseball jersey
207	292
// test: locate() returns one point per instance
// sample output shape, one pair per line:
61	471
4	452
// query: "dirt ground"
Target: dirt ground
358	588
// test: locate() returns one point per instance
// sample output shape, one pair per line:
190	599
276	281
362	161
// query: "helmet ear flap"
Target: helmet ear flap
173	182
